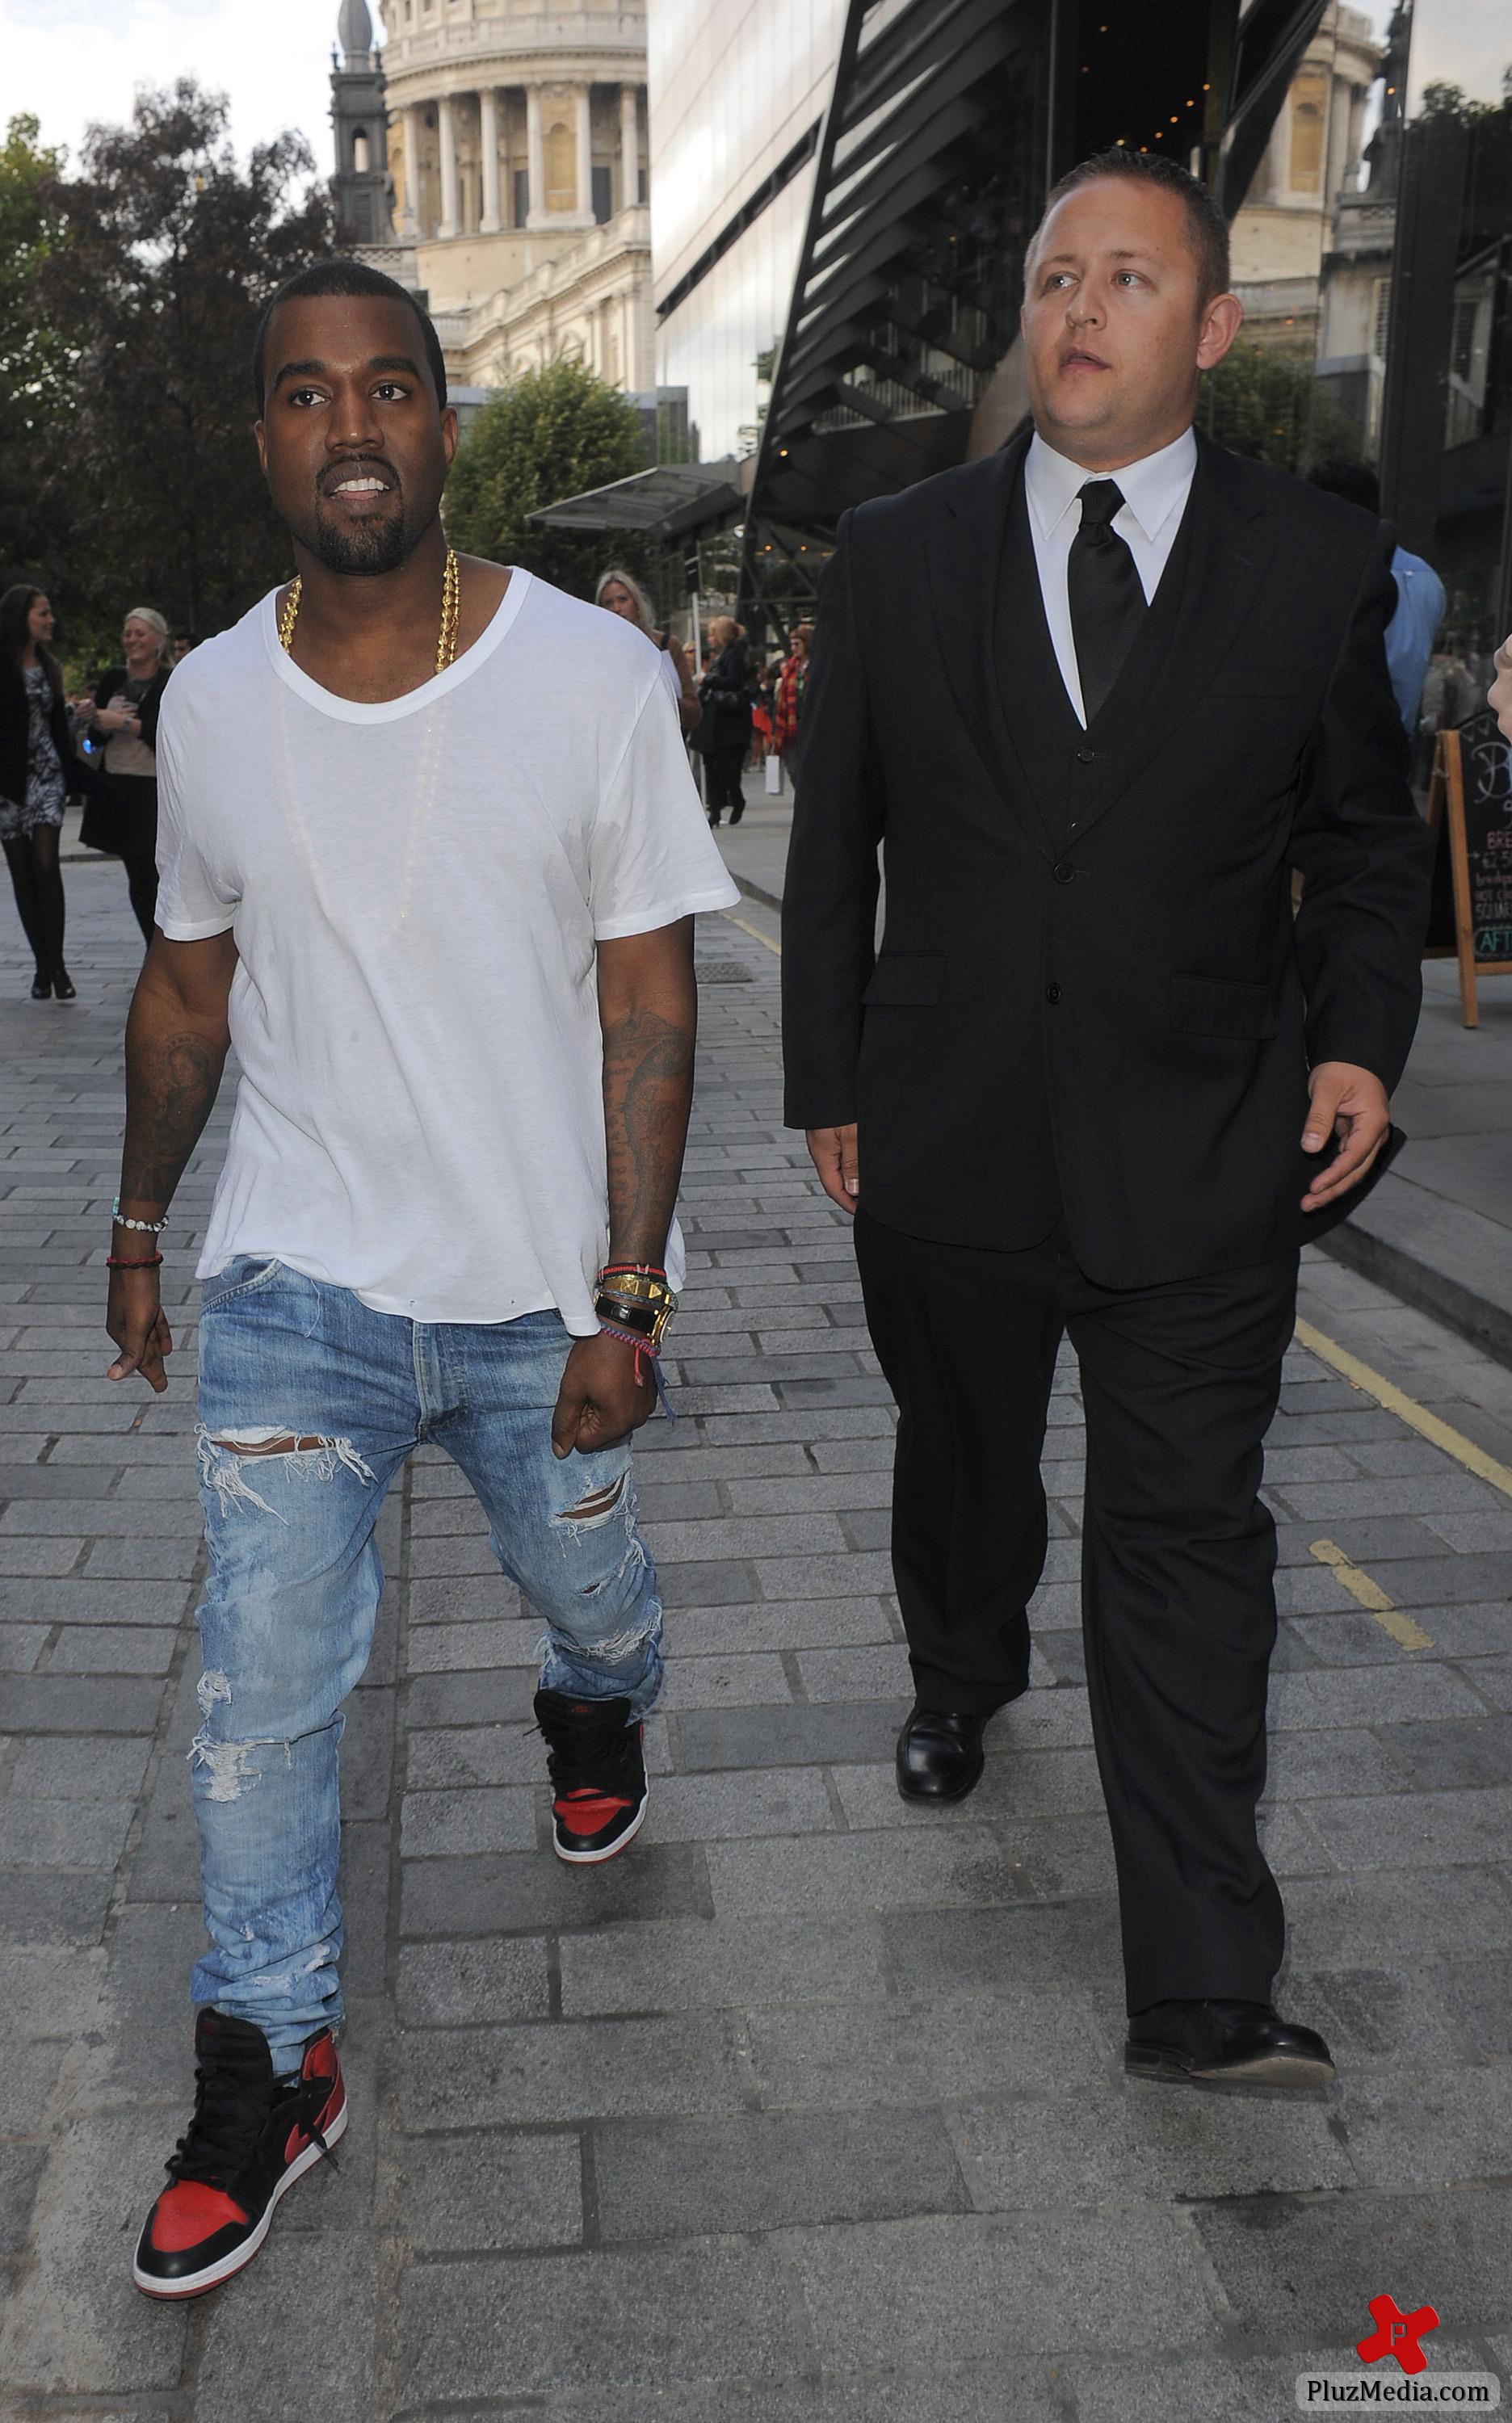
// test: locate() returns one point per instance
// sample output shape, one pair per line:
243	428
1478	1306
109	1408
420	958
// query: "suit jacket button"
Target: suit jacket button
1064	873
1086	757
1052	994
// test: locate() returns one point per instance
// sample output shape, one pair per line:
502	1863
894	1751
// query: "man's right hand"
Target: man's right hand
1501	689
832	1151
134	1318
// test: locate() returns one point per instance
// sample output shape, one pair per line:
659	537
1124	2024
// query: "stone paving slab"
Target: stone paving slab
810	2109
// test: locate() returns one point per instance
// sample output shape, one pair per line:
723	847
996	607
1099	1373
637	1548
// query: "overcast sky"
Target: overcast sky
69	61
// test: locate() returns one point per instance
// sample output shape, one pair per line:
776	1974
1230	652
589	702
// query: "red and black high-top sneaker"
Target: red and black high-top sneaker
597	1772
252	2135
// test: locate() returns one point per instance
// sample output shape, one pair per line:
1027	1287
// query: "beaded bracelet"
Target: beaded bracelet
133	1261
149	1228
653	1355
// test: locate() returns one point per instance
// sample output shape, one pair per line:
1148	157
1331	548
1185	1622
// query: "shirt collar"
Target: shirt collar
1154	488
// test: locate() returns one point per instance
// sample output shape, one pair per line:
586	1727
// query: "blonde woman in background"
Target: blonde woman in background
621	595
122	816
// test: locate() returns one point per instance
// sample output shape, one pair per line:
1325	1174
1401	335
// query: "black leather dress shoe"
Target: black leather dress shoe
1225	2044
939	1754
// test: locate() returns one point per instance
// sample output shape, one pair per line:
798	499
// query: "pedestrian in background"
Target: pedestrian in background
1420	592
723	736
122	816
37	766
621	595
791	687
182	643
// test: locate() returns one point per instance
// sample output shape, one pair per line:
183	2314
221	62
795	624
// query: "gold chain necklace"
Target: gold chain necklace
451	606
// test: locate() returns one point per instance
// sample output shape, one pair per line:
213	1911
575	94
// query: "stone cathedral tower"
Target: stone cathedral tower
518	199
359	119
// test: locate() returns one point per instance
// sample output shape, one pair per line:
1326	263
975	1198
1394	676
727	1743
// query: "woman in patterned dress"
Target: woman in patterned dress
36	764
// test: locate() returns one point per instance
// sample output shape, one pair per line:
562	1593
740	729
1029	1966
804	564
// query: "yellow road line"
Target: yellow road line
1370	1595
1406	1408
746	928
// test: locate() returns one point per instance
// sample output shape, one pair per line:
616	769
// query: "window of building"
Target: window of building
603	193
360	157
1309	117
561	168
1380	318
521	180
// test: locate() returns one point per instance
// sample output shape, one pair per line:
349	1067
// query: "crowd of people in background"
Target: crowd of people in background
741	713
93	749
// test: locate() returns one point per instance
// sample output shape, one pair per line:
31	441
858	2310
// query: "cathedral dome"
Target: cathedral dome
353	30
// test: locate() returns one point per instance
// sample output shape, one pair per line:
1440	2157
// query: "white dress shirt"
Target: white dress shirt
1155	498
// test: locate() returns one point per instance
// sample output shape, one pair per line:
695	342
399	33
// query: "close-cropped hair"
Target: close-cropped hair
1207	229
345	278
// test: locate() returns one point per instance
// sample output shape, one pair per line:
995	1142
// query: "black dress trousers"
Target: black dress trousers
1179	1384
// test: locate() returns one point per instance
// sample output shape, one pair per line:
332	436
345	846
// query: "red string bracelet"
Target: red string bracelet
133	1261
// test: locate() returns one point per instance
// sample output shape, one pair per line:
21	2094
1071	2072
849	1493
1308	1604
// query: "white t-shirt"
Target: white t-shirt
416	890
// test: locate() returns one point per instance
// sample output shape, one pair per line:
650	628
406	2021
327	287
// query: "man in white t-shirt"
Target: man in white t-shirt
430	856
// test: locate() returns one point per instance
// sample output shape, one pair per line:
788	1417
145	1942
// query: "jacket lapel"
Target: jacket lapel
965	555
1222	569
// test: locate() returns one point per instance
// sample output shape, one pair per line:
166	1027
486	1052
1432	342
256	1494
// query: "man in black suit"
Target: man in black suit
1098	697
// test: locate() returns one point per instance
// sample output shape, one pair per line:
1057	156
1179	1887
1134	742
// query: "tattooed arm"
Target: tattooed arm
177	1039
648	1010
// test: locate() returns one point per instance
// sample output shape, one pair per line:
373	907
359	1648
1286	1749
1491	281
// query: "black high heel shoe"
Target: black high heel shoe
63	986
41	987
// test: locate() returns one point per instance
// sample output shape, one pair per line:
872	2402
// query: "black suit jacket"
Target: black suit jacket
1091	995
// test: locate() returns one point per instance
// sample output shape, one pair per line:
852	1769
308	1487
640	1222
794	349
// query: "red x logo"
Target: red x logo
1397	2334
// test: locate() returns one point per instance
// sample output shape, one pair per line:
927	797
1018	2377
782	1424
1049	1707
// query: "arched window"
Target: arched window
1309	117
362	158
561	168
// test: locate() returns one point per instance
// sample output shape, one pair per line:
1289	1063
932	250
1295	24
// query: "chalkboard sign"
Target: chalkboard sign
1469	811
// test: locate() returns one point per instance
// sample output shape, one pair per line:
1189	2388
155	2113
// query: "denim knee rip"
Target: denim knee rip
312	1458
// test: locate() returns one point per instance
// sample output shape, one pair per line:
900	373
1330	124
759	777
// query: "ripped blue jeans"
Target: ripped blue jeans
309	1405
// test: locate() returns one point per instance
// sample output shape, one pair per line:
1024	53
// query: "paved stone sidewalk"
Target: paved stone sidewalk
809	2110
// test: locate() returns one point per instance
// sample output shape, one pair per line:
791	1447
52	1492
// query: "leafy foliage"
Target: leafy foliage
149	273
555	432
34	358
1267	404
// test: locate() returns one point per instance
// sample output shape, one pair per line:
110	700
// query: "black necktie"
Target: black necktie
1107	602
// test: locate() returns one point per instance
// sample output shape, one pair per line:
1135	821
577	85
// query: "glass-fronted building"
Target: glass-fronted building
736	93
843	190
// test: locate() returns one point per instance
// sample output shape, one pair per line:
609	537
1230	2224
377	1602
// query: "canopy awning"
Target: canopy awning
671	501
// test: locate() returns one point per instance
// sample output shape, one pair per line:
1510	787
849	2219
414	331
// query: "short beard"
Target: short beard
363	549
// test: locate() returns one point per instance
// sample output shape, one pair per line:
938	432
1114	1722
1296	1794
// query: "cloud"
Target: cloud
118	17
72	63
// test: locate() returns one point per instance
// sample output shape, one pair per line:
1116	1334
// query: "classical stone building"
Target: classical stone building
517	161
1285	228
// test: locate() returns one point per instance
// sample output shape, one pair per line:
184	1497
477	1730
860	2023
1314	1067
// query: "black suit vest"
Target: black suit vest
1060	759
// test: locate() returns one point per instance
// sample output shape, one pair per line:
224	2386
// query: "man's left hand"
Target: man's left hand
600	1400
1353	1104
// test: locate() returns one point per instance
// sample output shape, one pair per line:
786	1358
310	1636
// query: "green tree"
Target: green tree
33	360
168	251
1267	404
552	434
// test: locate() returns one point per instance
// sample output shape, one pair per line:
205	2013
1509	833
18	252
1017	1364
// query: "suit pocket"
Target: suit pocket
906	980
1243	1013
